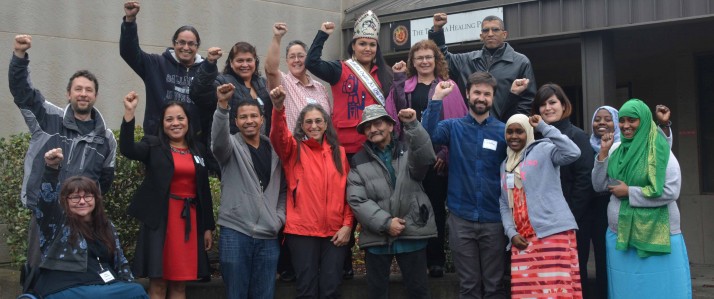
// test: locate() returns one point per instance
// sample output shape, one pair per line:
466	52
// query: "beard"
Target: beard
478	110
81	111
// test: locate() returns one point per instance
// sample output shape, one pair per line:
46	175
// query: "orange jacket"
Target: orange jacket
316	202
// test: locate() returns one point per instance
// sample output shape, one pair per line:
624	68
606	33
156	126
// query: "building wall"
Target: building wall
73	35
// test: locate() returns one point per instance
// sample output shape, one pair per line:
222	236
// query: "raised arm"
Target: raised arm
47	209
565	150
280	135
455	61
129	48
272	60
421	152
25	96
220	131
438	130
328	71
127	146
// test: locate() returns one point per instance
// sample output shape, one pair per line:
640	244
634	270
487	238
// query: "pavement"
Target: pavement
446	287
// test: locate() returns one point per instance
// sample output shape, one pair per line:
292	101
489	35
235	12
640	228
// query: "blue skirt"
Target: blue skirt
663	276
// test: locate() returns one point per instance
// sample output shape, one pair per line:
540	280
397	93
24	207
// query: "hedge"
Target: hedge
128	176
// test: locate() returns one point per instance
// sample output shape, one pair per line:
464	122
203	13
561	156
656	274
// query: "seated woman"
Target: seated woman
535	215
646	253
81	254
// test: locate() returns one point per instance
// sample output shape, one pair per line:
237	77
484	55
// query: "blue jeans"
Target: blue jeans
248	265
117	290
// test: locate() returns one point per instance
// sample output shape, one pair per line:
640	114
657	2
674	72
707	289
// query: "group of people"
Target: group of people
394	149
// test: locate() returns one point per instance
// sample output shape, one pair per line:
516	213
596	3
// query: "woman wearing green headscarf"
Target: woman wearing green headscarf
646	254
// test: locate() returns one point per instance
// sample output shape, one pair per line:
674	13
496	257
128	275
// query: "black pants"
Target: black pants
412	266
284	261
435	187
592	228
318	266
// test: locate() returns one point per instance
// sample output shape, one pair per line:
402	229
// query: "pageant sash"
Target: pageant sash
367	80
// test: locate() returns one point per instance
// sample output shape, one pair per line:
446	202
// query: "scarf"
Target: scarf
594	140
513	158
641	161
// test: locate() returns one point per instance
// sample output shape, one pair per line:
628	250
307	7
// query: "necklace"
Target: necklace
180	151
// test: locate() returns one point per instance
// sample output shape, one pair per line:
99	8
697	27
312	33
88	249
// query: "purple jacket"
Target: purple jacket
400	98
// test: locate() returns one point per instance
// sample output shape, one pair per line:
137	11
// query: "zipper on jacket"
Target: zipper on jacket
297	184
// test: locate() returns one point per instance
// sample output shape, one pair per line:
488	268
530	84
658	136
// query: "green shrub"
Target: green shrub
128	175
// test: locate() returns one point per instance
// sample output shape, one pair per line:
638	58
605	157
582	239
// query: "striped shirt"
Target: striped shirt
299	95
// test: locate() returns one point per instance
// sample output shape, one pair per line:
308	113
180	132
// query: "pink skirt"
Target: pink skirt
547	268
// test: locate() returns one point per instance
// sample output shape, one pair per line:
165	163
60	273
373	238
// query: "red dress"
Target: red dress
181	256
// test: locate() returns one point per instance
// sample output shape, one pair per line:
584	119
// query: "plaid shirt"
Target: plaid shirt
299	95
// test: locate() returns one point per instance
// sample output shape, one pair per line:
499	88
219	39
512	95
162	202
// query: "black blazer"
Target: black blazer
150	202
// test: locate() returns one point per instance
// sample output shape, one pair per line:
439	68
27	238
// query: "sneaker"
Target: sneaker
436	271
287	276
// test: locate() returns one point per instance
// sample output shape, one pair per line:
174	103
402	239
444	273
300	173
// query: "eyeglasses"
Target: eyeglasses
296	57
317	121
76	198
492	29
182	43
424	58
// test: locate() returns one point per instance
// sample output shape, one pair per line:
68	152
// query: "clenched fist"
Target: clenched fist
23	42
213	54
407	115
439	21
54	157
328	27
277	95
131	9
399	67
224	94
131	100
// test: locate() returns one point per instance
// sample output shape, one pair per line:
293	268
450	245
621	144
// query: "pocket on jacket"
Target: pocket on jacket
420	209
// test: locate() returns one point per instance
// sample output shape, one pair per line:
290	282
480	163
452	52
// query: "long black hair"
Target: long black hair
330	134
189	134
384	71
98	228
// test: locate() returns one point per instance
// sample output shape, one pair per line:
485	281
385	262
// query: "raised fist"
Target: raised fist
277	95
328	27
213	54
131	9
131	100
662	114
224	93
399	67
443	89
519	85
54	157
23	42
407	115
534	120
279	29
439	20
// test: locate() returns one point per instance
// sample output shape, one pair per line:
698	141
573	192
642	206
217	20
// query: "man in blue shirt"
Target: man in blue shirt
476	149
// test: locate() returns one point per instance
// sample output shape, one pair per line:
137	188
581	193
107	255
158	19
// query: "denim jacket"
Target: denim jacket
57	251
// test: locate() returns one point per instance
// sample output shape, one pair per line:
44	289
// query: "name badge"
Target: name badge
510	180
490	144
199	160
106	276
310	101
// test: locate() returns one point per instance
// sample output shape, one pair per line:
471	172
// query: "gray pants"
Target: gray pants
478	251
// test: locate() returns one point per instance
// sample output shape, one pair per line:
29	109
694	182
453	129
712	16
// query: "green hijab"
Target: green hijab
641	161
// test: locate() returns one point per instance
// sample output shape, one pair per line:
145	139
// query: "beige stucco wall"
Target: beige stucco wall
83	34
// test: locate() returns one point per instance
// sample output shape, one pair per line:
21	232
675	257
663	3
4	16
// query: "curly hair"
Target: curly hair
441	68
330	134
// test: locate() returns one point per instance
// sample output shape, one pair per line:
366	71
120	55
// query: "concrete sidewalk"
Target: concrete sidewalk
446	287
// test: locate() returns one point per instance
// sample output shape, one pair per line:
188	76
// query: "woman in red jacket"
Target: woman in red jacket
318	221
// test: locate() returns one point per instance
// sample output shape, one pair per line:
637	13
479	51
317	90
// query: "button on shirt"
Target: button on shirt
476	151
297	96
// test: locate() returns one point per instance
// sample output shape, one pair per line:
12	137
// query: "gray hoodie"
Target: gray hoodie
548	211
245	207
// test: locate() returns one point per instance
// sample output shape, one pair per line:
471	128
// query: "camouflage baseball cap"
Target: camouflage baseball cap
371	113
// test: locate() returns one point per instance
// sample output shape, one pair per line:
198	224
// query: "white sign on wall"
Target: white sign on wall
460	27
